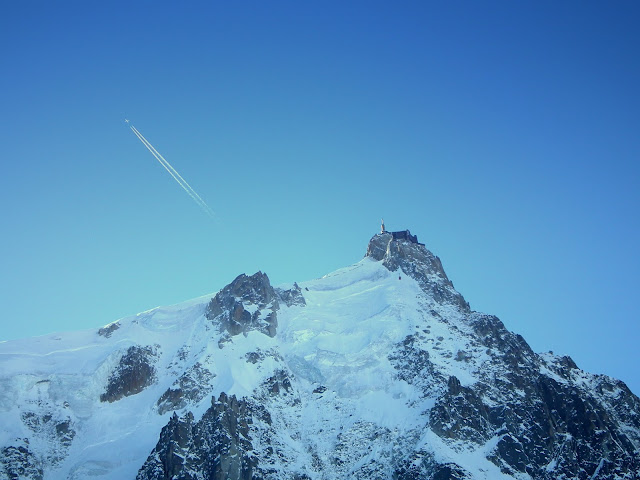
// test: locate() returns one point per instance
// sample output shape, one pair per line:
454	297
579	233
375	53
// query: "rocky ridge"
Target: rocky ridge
216	447
248	303
135	372
420	264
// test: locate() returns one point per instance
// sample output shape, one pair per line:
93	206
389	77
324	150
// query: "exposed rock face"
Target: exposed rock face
460	414
134	373
108	330
218	447
191	387
278	383
57	432
417	262
548	422
292	296
247	303
422	466
414	367
18	463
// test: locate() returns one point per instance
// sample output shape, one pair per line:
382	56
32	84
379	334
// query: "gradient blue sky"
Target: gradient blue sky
506	135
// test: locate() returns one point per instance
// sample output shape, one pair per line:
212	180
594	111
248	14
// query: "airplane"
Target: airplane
126	120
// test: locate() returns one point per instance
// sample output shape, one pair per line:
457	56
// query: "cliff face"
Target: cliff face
379	370
135	372
247	303
217	446
416	261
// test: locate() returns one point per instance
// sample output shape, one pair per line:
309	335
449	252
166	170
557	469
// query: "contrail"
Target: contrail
173	172
183	183
176	176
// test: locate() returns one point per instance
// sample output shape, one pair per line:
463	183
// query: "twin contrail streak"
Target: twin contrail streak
173	172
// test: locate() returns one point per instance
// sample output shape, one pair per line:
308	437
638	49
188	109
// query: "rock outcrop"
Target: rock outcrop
217	447
248	303
417	262
134	372
108	330
543	416
191	387
19	463
292	296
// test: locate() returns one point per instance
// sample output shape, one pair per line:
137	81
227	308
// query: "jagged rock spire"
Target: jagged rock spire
415	260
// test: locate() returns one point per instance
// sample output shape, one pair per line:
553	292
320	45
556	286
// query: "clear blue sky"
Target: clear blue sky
506	135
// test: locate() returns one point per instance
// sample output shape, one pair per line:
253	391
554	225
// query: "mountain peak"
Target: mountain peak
248	303
378	370
402	251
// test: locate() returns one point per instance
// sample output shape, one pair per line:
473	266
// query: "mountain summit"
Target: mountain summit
379	370
401	251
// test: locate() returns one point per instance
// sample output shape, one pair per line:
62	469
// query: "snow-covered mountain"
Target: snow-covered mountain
379	370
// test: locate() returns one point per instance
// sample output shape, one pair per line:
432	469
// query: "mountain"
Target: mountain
379	370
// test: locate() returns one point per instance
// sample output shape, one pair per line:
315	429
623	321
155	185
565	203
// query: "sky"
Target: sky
505	135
